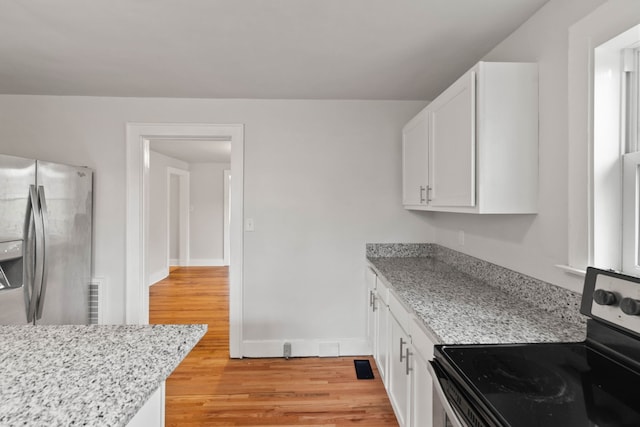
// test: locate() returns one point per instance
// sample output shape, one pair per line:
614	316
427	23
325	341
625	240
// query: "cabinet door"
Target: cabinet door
371	279
421	393
415	160
152	412
421	380
399	373
452	145
381	354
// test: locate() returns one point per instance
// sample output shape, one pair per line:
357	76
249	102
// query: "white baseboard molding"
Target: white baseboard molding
307	348
157	276
206	262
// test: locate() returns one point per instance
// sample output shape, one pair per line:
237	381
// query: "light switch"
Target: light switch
248	224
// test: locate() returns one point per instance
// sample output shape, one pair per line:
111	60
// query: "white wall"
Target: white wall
174	218
206	216
533	244
322	178
158	233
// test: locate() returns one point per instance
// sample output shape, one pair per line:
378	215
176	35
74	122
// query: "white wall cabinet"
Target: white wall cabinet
482	139
452	143
415	156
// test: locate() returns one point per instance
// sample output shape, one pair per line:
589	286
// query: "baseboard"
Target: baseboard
157	276
206	262
307	348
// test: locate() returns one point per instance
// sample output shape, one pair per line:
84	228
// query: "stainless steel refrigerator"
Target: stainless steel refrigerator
45	242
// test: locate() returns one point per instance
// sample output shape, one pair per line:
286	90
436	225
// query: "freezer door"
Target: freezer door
16	176
66	197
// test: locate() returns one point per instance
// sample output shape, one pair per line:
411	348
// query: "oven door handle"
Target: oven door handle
453	416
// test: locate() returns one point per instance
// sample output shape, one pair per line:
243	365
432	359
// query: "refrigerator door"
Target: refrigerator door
16	177
65	195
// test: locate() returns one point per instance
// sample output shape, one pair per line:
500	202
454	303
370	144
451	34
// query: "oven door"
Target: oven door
444	415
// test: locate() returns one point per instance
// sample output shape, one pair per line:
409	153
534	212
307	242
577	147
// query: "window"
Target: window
616	153
631	160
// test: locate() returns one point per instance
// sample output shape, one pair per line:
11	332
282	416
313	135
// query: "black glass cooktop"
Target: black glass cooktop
546	385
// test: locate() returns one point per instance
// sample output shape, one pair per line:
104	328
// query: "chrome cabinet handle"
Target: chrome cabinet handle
44	217
428	190
402	343
408	368
371	299
423	190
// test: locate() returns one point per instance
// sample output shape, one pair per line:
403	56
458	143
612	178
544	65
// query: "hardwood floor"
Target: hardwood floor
209	389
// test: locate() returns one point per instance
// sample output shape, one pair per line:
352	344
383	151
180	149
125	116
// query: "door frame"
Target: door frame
226	217
183	216
137	214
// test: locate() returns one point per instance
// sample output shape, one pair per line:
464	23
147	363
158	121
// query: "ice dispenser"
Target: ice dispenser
10	264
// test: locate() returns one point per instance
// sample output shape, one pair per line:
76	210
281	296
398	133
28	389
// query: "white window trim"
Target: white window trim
603	24
631	200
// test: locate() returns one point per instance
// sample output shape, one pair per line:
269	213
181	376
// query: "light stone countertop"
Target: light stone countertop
459	308
94	375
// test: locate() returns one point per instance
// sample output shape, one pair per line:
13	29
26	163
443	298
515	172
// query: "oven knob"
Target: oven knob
630	306
603	297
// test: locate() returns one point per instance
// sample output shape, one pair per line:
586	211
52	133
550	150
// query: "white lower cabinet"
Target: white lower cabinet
382	320
372	334
399	388
402	352
152	412
421	380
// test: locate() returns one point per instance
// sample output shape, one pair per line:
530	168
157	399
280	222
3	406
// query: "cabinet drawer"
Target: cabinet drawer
399	312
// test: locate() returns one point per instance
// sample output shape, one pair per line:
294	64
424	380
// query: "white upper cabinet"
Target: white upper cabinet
415	155
482	139
452	143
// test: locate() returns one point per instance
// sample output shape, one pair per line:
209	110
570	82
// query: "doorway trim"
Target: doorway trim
226	217
183	216
137	214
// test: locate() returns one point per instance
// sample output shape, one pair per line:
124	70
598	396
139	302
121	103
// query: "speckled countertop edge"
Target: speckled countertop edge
86	375
462	308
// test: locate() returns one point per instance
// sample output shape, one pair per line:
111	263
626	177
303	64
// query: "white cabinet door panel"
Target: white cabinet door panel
399	379
415	160
452	145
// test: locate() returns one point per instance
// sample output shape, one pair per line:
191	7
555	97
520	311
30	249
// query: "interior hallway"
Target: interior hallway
209	389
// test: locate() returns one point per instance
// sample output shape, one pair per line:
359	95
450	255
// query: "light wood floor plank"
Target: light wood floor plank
209	389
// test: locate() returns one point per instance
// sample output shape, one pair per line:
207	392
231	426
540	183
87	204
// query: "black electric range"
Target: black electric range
591	383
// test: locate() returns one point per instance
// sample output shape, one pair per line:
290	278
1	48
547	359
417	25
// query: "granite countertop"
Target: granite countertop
95	375
460	307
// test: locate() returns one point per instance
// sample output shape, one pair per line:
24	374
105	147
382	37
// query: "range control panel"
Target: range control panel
612	297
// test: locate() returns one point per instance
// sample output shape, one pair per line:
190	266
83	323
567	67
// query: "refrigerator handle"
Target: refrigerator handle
32	274
44	260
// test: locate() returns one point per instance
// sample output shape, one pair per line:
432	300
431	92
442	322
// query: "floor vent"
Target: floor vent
96	299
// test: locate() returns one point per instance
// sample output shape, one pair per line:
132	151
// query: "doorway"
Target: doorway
177	217
138	141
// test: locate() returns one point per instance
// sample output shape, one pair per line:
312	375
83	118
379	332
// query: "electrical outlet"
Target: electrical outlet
286	351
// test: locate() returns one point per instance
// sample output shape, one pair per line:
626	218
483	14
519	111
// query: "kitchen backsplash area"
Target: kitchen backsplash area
546	296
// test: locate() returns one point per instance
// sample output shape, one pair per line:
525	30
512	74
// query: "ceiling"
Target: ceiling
283	49
193	150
